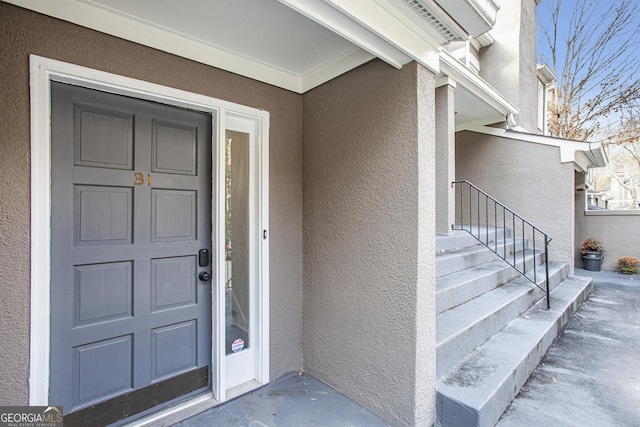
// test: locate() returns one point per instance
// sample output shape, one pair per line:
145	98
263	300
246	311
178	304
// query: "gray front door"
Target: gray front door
131	212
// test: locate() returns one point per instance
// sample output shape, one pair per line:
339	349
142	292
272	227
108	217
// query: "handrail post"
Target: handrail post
524	250
461	207
546	267
495	225
535	270
513	219
478	224
470	211
504	231
486	217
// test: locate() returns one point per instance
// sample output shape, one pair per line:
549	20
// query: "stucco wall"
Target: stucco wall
619	232
509	64
527	178
23	33
369	223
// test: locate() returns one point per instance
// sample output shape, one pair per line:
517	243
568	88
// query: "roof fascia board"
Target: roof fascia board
581	161
545	74
453	68
495	117
382	18
593	155
334	20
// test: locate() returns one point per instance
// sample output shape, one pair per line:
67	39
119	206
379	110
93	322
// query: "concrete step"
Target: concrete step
461	239
540	275
462	329
469	257
479	389
459	287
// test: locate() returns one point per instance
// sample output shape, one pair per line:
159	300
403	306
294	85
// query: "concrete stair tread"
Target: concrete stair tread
460	330
469	257
477	390
459	287
465	315
454	279
461	239
477	247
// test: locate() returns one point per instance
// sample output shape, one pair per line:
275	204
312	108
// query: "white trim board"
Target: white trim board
42	72
584	155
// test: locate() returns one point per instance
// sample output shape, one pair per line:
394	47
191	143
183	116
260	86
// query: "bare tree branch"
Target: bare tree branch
598	77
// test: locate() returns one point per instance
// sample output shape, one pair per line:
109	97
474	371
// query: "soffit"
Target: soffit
264	40
476	101
293	44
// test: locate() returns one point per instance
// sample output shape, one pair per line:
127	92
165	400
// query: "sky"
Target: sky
544	12
598	8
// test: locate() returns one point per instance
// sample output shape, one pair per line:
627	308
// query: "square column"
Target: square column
445	156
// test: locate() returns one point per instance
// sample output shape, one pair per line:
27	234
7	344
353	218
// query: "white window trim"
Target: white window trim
541	107
42	72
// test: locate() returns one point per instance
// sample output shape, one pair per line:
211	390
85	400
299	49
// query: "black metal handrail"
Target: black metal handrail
479	216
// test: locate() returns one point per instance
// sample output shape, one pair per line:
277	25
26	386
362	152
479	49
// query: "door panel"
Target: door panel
173	215
102	292
102	215
174	148
102	368
102	138
173	349
131	208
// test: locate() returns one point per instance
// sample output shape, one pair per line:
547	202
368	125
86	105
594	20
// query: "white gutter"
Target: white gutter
476	16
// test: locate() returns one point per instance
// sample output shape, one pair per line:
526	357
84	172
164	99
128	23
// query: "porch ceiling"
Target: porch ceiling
300	44
476	101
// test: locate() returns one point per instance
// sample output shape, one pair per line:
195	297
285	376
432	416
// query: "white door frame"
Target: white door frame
42	72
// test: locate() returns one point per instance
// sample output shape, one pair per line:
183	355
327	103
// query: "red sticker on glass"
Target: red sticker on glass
237	345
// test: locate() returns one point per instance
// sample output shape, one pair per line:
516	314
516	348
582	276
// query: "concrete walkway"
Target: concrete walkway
591	375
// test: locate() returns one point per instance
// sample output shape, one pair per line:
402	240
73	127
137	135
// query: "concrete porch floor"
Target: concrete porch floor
590	377
295	399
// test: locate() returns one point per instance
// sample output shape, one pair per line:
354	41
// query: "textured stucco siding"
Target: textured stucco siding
22	33
369	223
527	178
618	231
509	64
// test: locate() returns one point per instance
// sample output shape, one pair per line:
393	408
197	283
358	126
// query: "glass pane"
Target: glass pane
237	298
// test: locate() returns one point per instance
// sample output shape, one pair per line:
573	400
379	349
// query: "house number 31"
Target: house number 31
138	178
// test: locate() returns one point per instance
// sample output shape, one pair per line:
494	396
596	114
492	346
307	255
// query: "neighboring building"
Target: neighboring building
329	132
597	200
623	191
